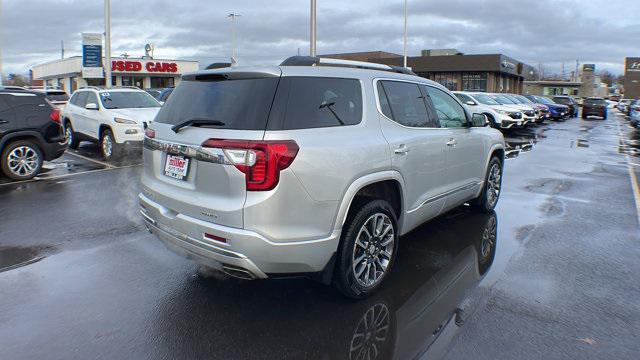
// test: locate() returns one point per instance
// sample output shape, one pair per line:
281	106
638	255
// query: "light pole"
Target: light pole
107	43
0	43
312	35
405	33
234	55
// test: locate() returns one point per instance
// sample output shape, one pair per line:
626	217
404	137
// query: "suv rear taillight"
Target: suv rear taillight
55	115
260	161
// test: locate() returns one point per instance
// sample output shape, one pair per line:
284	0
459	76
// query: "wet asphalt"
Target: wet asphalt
552	274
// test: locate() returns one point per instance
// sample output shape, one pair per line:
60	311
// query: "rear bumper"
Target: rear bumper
245	251
53	150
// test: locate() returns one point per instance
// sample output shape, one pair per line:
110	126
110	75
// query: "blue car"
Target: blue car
634	113
556	111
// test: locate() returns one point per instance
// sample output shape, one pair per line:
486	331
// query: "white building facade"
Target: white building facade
144	73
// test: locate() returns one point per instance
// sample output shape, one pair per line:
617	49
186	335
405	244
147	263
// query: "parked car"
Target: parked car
634	113
164	94
154	92
317	170
499	116
115	118
57	98
536	108
556	111
594	106
623	105
574	108
30	133
615	97
541	109
528	113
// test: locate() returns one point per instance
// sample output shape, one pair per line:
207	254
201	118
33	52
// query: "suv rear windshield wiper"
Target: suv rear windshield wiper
196	122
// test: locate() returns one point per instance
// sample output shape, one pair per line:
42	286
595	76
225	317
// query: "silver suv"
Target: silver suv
305	169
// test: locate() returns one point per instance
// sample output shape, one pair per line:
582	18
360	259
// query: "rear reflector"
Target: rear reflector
214	237
260	161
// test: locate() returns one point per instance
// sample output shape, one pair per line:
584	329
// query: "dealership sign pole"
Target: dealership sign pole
312	35
107	43
405	34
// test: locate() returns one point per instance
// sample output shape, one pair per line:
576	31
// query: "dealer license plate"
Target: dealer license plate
176	167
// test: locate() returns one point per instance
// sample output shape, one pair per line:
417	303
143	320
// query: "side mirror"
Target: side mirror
91	106
472	103
479	120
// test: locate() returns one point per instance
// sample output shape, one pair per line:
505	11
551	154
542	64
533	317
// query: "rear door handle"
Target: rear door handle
452	143
3	121
402	149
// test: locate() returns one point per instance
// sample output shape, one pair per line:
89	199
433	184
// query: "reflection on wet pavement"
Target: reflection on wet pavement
522	140
414	315
12	257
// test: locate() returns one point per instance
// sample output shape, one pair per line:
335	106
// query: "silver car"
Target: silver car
313	170
500	116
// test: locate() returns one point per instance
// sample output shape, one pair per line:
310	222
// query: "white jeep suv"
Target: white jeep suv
500	116
305	169
114	118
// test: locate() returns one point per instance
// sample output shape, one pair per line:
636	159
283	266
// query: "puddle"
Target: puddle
12	257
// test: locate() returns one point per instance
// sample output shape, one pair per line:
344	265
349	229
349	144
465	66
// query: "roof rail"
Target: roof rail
319	61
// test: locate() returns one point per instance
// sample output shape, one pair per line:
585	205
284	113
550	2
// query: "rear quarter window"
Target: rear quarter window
316	102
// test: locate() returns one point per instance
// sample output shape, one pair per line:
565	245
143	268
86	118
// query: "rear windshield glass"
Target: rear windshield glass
561	100
240	104
127	100
57	96
594	102
315	102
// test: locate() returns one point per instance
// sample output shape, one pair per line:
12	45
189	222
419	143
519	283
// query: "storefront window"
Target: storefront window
161	82
448	80
95	82
136	81
474	81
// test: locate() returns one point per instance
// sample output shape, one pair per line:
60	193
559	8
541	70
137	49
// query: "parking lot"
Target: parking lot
81	278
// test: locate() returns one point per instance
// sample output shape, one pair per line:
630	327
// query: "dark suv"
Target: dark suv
568	101
30	133
594	106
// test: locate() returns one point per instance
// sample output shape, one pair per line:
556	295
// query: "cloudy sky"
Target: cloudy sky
547	32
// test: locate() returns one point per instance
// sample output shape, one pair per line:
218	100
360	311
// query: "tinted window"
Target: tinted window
598	102
81	98
165	95
57	96
450	112
407	104
239	104
313	102
464	98
127	100
384	101
92	98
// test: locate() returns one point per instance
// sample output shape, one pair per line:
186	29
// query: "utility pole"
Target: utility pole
405	33
312	35
234	55
107	43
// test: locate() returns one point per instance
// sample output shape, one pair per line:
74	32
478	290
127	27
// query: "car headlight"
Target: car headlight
124	121
504	112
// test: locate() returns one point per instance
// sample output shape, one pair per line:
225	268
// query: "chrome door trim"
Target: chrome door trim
447	193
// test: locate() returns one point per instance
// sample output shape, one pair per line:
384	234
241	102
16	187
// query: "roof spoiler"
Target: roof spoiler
320	61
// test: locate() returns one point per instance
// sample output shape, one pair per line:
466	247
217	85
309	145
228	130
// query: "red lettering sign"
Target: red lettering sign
136	66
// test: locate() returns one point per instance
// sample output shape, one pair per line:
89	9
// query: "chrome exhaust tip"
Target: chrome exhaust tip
238	272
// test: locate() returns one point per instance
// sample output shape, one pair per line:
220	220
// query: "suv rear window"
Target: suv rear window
315	102
594	102
57	96
241	104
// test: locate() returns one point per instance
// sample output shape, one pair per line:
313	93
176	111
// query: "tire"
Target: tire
358	281
21	160
72	137
109	149
486	202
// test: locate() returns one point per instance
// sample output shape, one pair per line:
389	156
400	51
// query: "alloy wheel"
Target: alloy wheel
493	185
373	249
23	161
107	146
69	134
489	236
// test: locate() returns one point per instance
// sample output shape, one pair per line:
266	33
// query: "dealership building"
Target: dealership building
456	71
144	73
632	78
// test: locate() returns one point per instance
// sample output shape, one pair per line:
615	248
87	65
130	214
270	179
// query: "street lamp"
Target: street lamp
405	33
107	43
312	35
234	55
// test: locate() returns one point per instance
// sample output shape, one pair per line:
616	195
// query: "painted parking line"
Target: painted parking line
632	177
55	177
89	159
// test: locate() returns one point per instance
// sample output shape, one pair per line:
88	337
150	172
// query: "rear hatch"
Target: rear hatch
187	170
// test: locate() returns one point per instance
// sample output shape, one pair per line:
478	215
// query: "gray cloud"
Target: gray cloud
550	32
